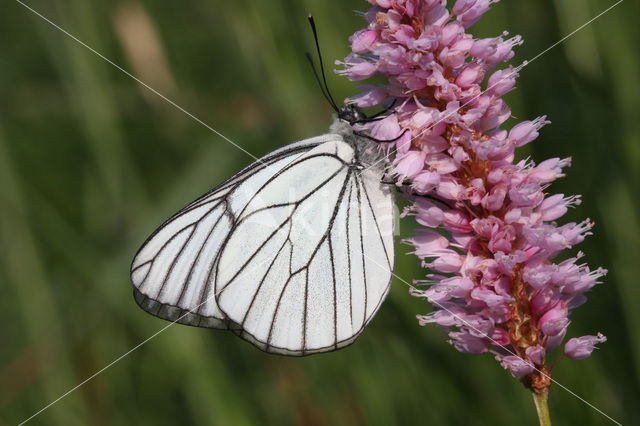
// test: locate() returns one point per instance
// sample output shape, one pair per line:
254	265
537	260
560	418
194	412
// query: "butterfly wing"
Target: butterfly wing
173	269
310	259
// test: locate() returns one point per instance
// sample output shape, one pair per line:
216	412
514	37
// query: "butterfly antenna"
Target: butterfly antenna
324	78
315	72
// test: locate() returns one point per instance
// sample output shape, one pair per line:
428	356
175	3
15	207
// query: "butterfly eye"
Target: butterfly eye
351	114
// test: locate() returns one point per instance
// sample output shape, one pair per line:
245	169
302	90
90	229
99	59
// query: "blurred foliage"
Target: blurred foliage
91	162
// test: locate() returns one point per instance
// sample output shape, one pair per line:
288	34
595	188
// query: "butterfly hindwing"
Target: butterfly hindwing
304	271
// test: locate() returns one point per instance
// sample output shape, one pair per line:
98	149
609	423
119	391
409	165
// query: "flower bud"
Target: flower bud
581	347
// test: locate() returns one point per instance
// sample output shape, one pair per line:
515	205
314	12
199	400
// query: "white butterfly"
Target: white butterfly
294	253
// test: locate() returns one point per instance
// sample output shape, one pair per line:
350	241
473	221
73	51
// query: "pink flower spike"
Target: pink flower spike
582	347
486	222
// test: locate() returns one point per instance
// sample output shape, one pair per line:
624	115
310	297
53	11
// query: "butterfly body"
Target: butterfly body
294	253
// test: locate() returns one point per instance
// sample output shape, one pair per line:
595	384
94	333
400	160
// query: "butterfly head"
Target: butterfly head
351	114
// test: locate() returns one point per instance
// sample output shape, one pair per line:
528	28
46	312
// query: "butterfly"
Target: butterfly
294	253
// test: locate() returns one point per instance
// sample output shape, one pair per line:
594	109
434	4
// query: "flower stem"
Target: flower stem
542	408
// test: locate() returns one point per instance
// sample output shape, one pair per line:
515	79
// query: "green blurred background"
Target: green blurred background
91	162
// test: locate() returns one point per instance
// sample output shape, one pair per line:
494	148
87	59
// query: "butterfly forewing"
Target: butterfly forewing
172	270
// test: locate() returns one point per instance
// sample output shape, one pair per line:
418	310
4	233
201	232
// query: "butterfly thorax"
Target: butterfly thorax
368	153
351	113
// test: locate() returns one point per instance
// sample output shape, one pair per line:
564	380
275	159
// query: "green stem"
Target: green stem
542	408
